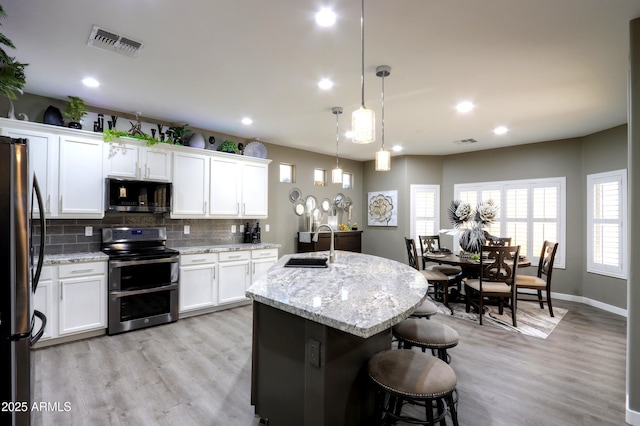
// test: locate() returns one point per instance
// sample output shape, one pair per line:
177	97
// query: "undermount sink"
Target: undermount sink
306	262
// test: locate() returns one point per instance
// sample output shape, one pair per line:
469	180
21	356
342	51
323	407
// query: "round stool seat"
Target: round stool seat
426	335
426	309
412	373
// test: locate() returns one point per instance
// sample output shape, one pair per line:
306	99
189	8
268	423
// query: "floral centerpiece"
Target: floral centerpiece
470	223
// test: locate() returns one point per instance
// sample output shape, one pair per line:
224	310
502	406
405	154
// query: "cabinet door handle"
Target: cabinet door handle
146	171
205	207
198	260
214	274
237	208
61	292
81	271
235	256
247	269
244	208
60	208
254	268
48	203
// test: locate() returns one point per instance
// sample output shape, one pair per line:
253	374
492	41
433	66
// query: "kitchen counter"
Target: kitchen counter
217	248
314	330
358	294
61	259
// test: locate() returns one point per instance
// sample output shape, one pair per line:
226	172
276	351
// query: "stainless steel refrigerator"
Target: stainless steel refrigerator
18	280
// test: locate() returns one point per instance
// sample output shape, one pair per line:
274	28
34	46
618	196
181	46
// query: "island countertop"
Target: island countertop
359	294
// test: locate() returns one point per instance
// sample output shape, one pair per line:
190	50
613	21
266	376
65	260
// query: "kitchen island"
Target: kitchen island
314	329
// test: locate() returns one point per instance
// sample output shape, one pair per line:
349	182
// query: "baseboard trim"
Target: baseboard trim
632	417
584	300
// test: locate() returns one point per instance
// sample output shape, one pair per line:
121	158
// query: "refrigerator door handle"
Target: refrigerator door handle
43	232
34	338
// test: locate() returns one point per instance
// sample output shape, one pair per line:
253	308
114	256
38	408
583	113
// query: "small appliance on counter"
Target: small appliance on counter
247	234
255	236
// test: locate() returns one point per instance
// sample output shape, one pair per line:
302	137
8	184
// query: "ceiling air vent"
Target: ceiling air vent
465	141
112	42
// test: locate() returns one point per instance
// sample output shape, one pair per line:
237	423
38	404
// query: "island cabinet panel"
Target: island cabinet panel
303	372
344	240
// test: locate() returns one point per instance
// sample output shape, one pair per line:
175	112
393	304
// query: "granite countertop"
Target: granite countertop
225	247
98	256
359	294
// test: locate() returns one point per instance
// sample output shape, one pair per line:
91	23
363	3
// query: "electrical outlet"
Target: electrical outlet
266	228
187	229
88	231
242	229
314	352
233	229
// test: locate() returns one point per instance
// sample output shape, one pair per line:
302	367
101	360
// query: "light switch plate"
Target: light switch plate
241	229
187	229
266	228
88	231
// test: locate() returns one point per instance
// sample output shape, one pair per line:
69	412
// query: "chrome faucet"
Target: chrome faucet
332	253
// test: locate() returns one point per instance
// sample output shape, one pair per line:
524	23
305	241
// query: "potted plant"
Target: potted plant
228	146
178	133
75	111
12	76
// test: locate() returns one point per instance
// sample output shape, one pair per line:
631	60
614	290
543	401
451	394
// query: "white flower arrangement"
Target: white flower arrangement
470	223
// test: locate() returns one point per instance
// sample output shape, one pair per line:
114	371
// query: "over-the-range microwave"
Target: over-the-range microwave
137	196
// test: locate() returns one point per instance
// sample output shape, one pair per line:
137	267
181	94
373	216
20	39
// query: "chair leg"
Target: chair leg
549	303
540	299
480	307
467	306
445	293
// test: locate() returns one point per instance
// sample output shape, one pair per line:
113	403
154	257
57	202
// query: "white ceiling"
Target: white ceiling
547	69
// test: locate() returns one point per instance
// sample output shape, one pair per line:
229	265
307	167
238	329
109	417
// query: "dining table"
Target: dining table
469	268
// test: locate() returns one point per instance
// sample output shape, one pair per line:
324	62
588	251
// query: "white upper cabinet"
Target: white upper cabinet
239	188
190	185
80	178
132	160
43	162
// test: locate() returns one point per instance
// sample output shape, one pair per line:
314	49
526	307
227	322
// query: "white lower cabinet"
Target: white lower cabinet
198	284
82	290
234	276
261	261
73	297
44	301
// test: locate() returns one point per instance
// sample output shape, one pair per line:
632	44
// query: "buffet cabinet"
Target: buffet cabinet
344	240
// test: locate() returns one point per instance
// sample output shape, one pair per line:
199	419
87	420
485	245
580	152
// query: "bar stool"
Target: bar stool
426	309
431	335
411	377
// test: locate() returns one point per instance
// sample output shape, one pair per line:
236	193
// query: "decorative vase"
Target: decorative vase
197	141
75	125
471	240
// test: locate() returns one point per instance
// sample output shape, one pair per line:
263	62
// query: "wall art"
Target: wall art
382	208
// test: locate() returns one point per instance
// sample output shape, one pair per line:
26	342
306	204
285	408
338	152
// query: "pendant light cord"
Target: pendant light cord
337	139
362	50
382	112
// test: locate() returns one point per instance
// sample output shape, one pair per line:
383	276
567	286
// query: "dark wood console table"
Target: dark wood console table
344	240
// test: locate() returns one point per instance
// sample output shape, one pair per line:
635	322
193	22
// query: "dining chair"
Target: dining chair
435	278
499	241
496	280
541	281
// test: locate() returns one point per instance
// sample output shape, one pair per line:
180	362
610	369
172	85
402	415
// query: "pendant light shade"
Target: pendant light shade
383	158
336	174
363	120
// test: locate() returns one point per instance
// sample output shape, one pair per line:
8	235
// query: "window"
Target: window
347	181
529	211
319	177
425	210
286	173
607	223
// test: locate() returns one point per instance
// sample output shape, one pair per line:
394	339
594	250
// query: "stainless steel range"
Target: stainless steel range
143	278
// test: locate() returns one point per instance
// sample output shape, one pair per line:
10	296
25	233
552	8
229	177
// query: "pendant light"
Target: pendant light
383	158
363	120
336	174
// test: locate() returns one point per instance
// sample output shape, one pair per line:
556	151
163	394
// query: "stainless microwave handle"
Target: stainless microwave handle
143	291
120	263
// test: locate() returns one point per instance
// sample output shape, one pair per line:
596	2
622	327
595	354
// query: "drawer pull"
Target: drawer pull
199	260
81	271
235	256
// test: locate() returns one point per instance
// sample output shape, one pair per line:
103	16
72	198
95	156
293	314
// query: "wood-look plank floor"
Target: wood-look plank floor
197	372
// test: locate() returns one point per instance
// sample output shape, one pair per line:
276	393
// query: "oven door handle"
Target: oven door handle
143	291
120	263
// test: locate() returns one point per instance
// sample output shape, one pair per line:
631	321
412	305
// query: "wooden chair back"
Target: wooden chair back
499	241
412	253
429	243
499	263
547	258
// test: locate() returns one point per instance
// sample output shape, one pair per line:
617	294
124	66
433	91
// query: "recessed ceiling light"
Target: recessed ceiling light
465	106
246	121
500	130
396	148
326	17
325	84
90	82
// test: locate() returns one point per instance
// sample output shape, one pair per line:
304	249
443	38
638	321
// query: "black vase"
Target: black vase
75	125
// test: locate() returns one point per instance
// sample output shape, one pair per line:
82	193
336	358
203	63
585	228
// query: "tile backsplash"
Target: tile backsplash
64	236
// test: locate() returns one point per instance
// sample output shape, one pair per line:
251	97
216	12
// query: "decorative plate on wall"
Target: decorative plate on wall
255	149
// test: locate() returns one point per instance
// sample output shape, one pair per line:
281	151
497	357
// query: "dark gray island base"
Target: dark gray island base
314	332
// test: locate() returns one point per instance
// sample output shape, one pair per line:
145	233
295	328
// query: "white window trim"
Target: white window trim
560	261
413	188
592	179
